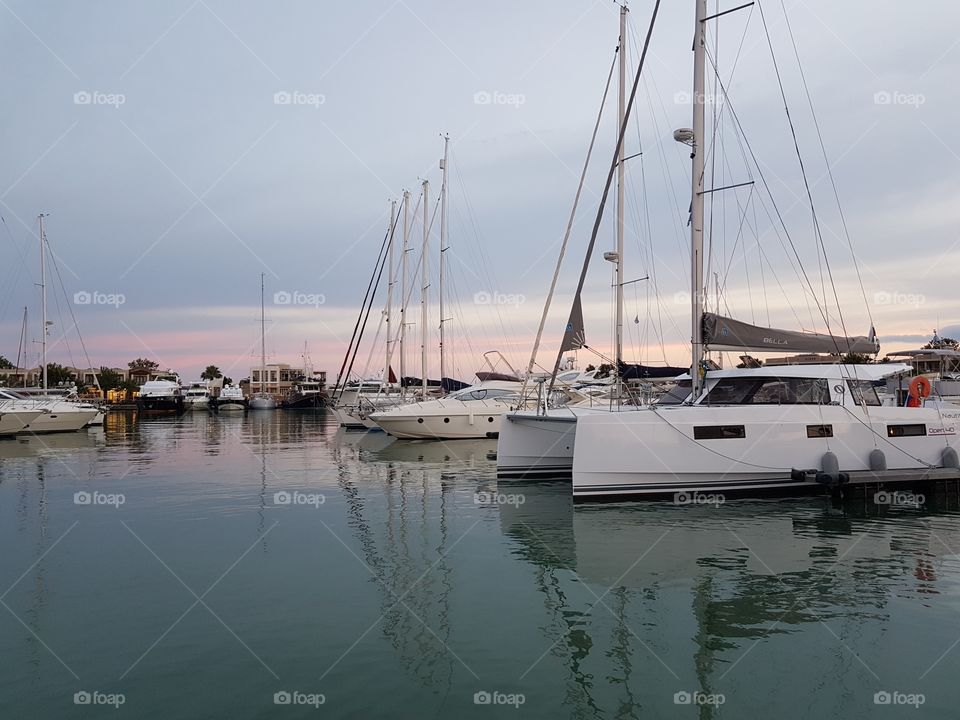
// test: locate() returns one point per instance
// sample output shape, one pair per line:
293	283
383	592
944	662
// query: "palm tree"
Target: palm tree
211	373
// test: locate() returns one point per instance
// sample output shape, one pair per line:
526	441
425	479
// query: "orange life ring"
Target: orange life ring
920	389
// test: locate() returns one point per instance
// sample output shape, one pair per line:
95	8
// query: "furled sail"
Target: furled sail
574	336
723	333
649	372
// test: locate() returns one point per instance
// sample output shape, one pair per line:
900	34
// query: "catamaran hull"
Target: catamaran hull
661	452
532	445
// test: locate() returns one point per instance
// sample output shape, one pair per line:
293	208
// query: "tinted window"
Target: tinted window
863	392
769	391
679	393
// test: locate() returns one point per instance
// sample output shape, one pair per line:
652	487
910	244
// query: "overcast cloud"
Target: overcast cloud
182	148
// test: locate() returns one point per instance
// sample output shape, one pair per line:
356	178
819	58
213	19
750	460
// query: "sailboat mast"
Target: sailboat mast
621	121
22	347
443	249
423	287
43	302
263	342
698	147
391	279
403	287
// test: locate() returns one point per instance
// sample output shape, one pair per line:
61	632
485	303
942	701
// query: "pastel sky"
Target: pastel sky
183	148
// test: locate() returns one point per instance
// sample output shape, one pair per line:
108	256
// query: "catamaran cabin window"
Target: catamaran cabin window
677	395
769	391
863	392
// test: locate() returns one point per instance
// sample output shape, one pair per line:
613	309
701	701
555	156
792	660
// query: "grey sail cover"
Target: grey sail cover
723	333
573	336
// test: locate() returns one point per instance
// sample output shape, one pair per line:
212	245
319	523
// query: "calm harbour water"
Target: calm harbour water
401	581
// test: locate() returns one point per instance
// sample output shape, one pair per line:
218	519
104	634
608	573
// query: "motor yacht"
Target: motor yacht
230	399
474	412
45	415
163	396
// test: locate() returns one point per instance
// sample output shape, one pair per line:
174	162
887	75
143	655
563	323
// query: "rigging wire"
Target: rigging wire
829	165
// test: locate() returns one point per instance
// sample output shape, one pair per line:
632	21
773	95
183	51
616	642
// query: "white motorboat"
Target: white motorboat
46	414
231	399
474	412
69	394
196	397
17	421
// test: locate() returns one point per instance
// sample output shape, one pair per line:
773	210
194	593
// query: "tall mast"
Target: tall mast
263	342
43	302
403	287
391	279
443	249
621	121
424	287
698	147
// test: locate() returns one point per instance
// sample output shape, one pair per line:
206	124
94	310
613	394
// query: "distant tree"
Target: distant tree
143	364
5	364
857	359
57	374
129	387
211	373
590	368
228	381
109	379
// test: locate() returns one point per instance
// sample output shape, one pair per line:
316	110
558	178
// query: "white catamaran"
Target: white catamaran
766	429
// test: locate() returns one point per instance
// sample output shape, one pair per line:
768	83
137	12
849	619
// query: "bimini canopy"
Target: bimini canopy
723	333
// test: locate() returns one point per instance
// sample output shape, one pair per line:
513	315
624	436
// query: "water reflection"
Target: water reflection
602	610
750	571
404	539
